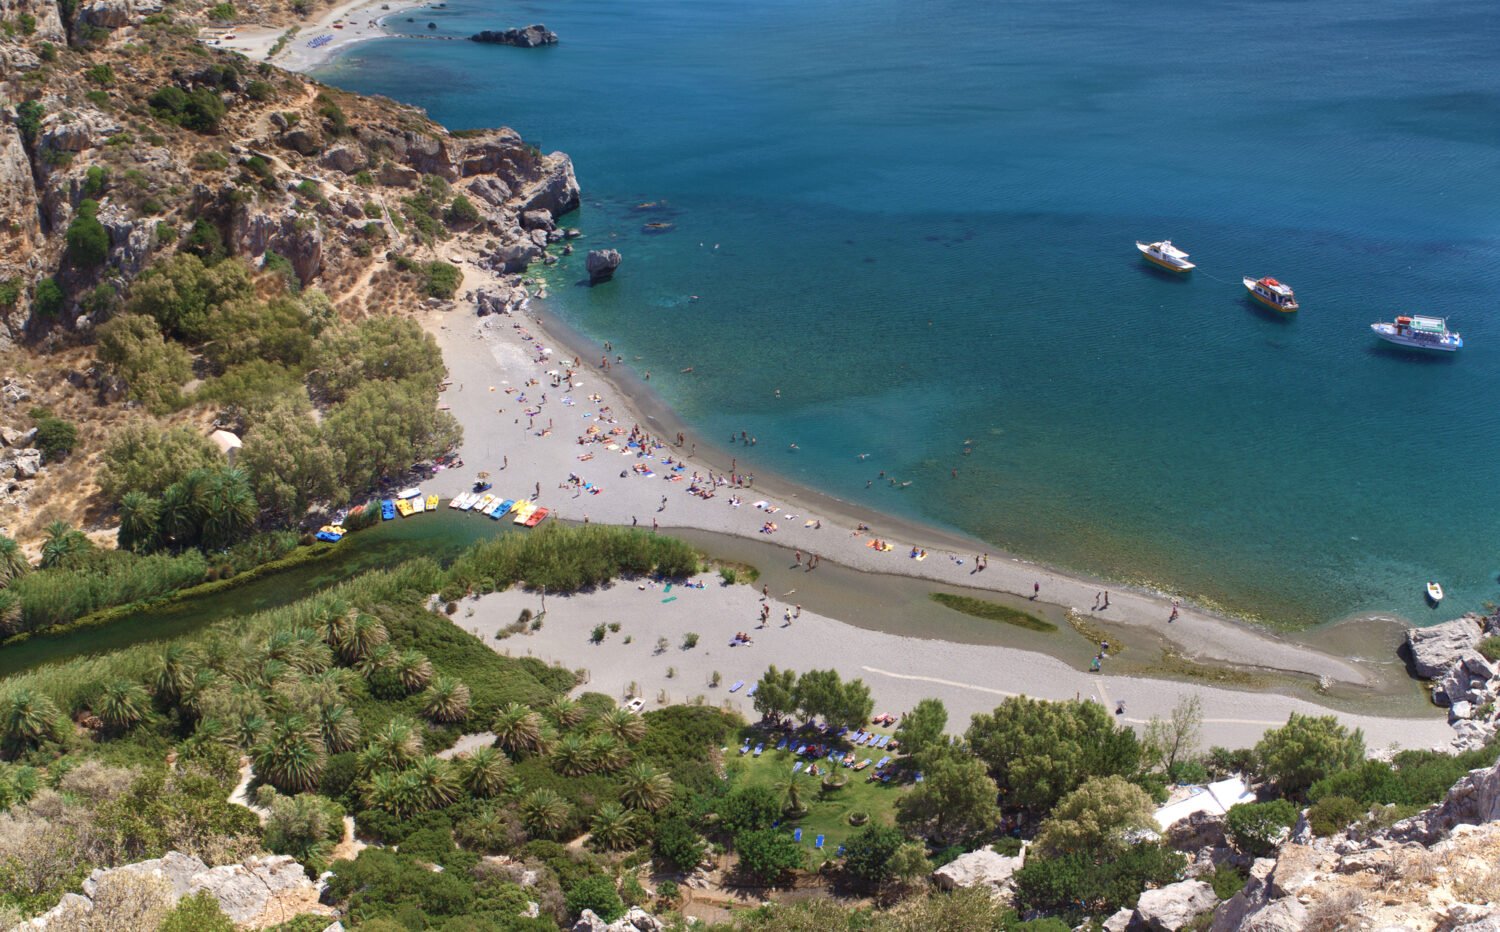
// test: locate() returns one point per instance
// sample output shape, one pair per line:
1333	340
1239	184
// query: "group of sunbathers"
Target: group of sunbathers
740	637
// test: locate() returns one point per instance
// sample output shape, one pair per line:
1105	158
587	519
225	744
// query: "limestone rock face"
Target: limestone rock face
601	264
516	256
346	159
984	866
1434	649
1280	916
301	140
1174	906
48	20
107	14
490	190
537	220
18	198
1473	800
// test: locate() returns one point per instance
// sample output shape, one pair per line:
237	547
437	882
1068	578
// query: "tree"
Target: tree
290	463
624	725
13	562
64	546
642	786
571	757
133	348
749	808
382	428
88	241
147	459
1039	751
48	299
377	349
922	728
55	437
518	729
955	800
173	676
28	720
544	813
339	727
290	756
868	854
776	693
1097	817
122	705
1081	884
140	522
597	893
446	700
484	772
1306	749
365	633
305	826
29	115
767	854
677	845
437	784
1257	828
613	827
393	747
565	712
413	669
1166	743
607	753
182	293
199	913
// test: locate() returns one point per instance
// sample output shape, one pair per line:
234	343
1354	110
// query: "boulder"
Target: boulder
1121	921
1279	916
301	140
515	257
27	463
1171	907
1473	800
399	176
1198	830
983	867
589	921
601	264
11	437
346	159
537	220
87	129
1433	650
107	14
1461	709
176	868
1296	867
490	189
527	37
245	890
1489	924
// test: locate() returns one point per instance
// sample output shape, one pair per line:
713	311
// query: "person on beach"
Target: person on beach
798	555
663	504
1036	590
1106	601
654	525
765	592
786	618
634	521
537	492
797	612
505	462
1173	617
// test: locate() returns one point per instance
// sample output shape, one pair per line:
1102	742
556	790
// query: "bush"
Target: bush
95	180
768	854
88	241
1490	648
677	846
1255	828
199	110
102	75
597	893
55	437
197	913
1078	885
443	279
48	300
1332	814
260	90
462	211
868	852
1307	749
10	292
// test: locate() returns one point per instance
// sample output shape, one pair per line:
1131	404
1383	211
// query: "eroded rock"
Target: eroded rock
601	265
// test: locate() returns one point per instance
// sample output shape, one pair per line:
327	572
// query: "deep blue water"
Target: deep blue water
916	220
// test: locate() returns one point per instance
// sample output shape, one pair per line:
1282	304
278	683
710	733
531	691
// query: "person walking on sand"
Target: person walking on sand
765	592
1106	601
797	612
505	462
634	521
1173	617
799	557
1036	590
786	618
654	525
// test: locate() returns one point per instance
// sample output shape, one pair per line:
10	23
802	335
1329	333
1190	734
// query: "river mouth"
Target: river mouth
887	603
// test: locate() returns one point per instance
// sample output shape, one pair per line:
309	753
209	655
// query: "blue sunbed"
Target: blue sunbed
754	688
758	749
738	685
797	836
797	767
801	748
819	842
858	737
919	778
781	745
884	740
882	762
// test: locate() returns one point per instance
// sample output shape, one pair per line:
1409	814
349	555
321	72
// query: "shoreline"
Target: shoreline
256	41
495	353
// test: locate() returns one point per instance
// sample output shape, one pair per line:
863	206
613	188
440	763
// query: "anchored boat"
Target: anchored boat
1273	294
1165	255
1420	332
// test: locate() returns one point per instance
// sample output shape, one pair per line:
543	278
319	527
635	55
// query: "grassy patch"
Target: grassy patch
1093	633
1174	664
992	611
827	815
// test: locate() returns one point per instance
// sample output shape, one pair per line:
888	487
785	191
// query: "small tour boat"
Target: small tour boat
1165	255
1273	294
1420	332
1434	592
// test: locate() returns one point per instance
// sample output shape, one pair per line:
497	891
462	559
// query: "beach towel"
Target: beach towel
670	598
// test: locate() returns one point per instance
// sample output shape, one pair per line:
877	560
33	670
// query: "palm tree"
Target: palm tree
446	700
300	648
396	793
122	705
545	813
518	729
613	827
791	791
336	622
64	546
365	634
173	676
13	562
338	727
272	672
140	522
198	686
626	726
250	728
608	754
645	787
438	785
571	756
413	669
393	747
378	658
565	712
290	756
485	772
28	719
176	520
226	507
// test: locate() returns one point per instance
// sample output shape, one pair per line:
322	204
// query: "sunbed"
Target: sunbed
754	688
797	767
738	685
884	740
862	764
781	745
758	749
819	842
797	836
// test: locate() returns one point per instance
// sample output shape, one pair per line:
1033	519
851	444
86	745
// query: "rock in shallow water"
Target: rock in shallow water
527	37
601	264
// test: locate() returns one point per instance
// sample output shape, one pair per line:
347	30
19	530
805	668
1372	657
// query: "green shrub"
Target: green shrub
197	913
55	437
210	160
199	110
598	894
1490	648
260	90
768	854
443	279
88	241
461	211
10	292
1332	814
94	181
1306	749
1255	828
1227	880
101	74
1077	885
222	12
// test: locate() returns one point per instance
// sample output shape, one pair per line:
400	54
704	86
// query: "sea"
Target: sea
896	241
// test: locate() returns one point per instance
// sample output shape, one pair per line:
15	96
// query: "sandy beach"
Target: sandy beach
899	670
315	42
540	435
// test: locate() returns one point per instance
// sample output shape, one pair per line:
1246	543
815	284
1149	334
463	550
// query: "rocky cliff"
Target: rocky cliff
112	109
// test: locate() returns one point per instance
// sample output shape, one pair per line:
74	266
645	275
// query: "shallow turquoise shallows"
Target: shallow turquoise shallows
917	221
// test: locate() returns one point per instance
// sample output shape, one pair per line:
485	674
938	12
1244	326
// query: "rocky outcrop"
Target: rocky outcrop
635	920
984	867
601	265
49	24
346	159
1176	905
1433	650
260	892
527	37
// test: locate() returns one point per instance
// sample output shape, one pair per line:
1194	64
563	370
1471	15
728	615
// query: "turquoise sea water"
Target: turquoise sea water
917	220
